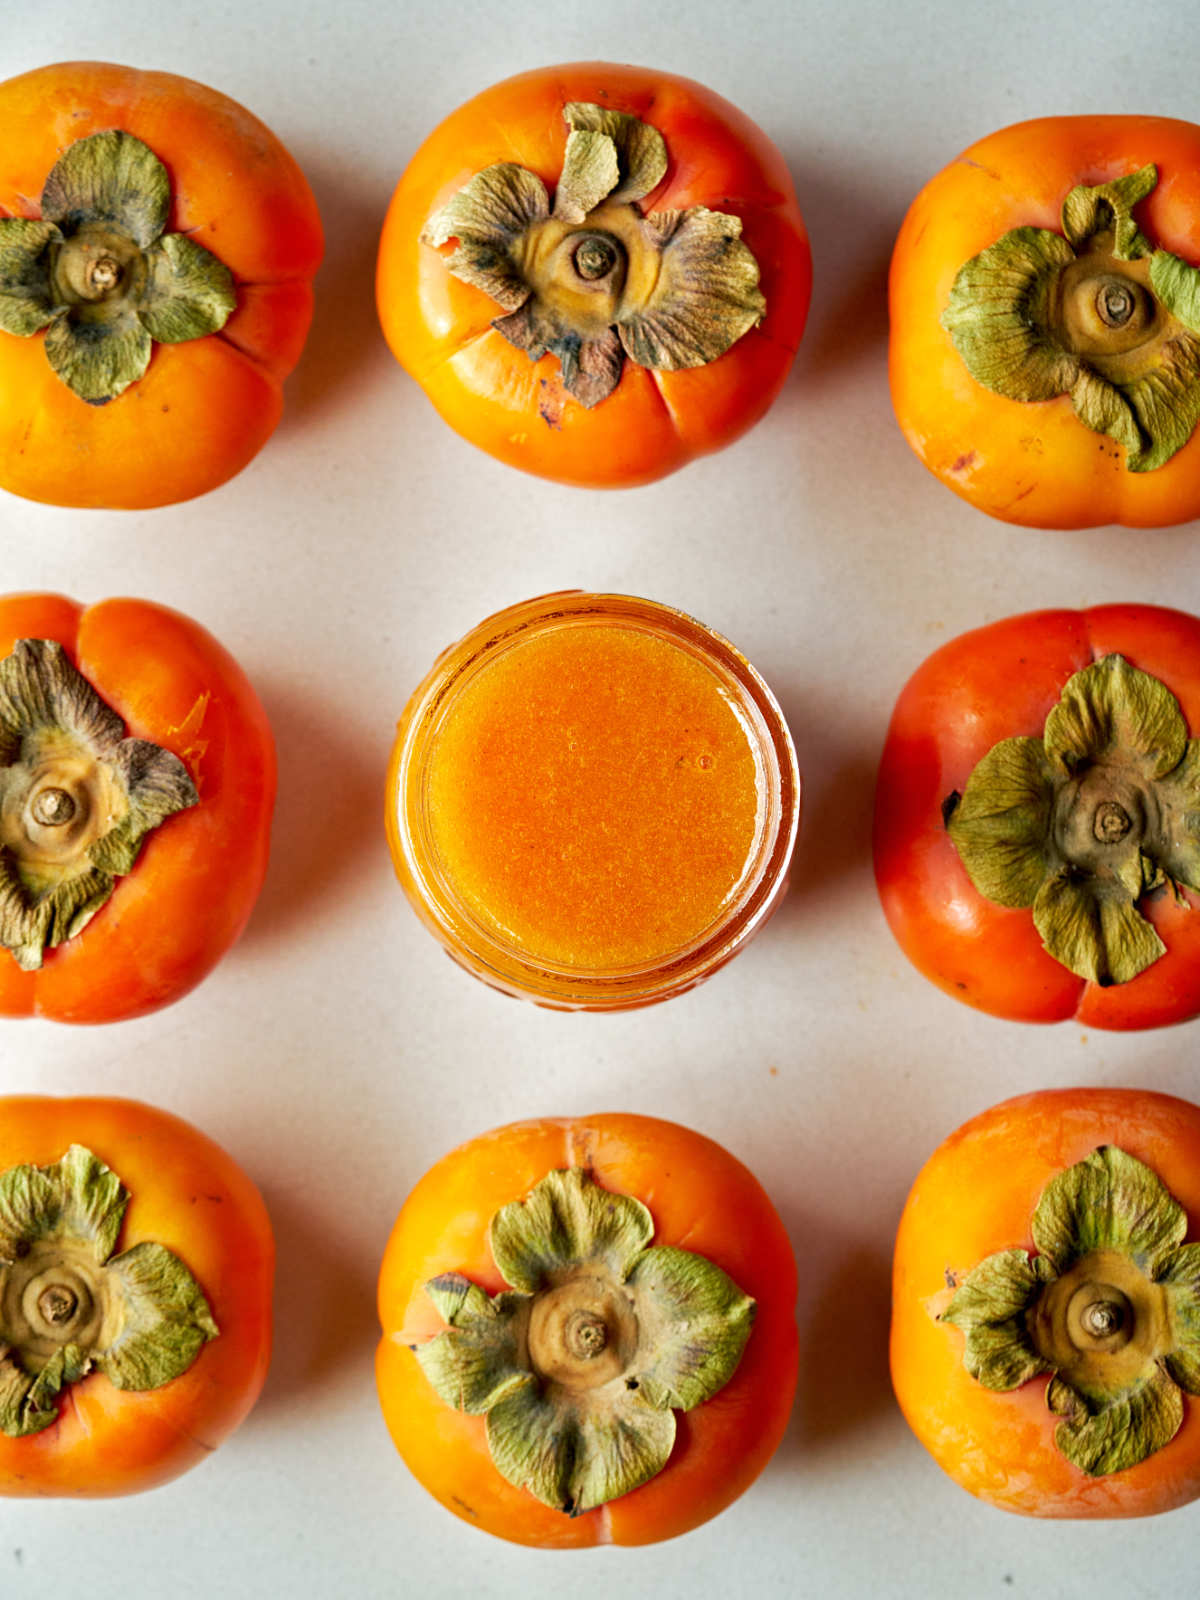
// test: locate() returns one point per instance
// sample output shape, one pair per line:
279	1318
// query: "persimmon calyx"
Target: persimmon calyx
579	1366
98	273
68	1305
1095	312
1109	1307
594	280
77	799
1082	823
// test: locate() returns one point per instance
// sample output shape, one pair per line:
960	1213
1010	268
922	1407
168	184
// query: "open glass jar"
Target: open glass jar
592	801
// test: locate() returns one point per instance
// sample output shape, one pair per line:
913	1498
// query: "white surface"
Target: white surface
337	1053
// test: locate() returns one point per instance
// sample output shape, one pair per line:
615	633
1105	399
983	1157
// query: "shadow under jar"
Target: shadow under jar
592	801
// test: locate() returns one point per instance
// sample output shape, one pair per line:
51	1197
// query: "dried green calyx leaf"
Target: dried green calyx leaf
609	155
596	280
1109	1201
77	799
26	297
580	1367
1108	208
110	178
565	1221
166	1319
1096	313
98	273
989	1307
1082	824
68	1305
1110	1307
483	218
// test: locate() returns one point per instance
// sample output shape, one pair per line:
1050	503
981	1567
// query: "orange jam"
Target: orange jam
592	800
594	796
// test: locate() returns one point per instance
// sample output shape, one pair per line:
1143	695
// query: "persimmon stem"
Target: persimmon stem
586	1335
104	275
53	807
58	1304
1115	303
1102	1318
583	1331
1111	822
594	257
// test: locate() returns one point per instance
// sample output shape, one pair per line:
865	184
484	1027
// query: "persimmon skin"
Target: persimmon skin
1032	462
975	1196
701	1198
490	392
205	407
188	1195
194	884
994	683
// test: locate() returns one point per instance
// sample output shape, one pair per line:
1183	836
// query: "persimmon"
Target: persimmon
1045	322
536	1343
157	251
1045	1346
647	315
137	771
136	1272
1036	848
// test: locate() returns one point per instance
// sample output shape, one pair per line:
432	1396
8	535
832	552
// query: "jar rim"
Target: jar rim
509	966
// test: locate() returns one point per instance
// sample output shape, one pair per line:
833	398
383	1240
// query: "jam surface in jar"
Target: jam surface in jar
594	795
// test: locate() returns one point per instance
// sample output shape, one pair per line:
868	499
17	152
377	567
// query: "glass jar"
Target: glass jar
592	801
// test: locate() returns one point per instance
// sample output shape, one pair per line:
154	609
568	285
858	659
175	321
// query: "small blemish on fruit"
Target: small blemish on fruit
963	462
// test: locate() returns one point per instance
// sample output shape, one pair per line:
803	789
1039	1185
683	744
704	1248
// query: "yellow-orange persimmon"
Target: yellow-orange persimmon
976	1199
186	1196
699	1197
205	406
520	405
1034	460
171	916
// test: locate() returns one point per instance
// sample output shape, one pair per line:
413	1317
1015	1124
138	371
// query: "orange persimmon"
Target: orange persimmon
1032	849
191	170
590	379
1054	1237
152	1185
1044	356
600	1175
173	708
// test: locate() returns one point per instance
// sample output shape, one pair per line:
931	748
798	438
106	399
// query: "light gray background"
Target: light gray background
337	1053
